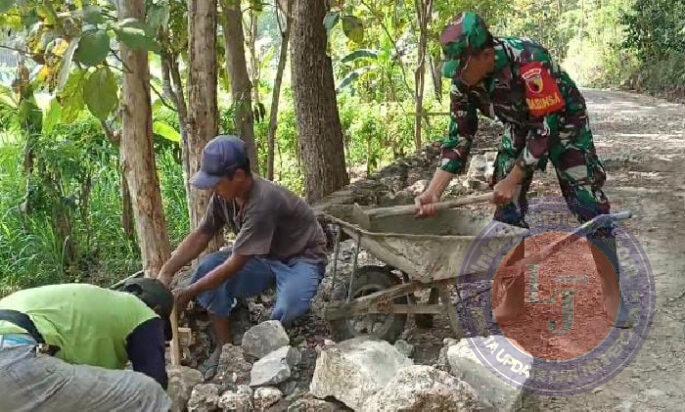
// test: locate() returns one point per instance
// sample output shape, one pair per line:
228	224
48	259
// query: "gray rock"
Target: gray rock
182	380
313	405
266	396
239	400
233	369
264	338
404	347
465	365
204	398
275	367
353	370
423	388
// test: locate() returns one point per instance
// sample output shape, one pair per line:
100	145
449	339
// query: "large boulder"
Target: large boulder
239	400
264	338
423	388
266	396
466	365
233	369
182	380
353	370
275	367
204	398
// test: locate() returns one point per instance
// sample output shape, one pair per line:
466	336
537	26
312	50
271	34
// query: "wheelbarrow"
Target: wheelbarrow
419	254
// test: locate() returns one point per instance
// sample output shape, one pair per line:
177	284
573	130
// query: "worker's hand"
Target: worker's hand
505	191
425	204
182	296
166	278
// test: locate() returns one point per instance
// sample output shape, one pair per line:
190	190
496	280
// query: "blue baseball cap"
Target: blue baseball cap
221	157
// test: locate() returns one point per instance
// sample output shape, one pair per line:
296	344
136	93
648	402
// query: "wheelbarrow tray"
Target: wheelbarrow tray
427	250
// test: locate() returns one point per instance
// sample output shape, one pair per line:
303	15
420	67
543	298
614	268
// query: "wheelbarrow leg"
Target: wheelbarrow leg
451	311
425	321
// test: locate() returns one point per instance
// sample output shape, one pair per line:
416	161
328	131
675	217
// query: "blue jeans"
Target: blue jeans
296	284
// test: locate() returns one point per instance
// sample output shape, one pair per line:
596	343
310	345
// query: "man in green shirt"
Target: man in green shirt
64	348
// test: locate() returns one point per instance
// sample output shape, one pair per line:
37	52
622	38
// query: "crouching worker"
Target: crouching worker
64	348
279	243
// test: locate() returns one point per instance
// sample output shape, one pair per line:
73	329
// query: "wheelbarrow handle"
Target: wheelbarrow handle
627	214
410	209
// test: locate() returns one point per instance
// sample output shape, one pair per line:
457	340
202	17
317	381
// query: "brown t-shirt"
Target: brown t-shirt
274	223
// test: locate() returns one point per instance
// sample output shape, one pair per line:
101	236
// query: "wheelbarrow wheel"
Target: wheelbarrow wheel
389	327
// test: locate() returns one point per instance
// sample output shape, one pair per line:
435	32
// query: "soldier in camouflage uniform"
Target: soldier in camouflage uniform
545	119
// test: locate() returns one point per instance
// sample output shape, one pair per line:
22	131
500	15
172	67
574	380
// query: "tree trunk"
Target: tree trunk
436	73
273	114
241	87
127	221
173	89
423	11
321	139
137	153
203	113
254	61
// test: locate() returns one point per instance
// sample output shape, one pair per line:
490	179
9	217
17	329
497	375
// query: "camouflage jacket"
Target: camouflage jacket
528	92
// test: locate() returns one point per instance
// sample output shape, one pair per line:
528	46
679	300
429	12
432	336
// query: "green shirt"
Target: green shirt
89	324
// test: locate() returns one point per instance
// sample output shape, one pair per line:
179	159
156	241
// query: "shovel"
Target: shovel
363	217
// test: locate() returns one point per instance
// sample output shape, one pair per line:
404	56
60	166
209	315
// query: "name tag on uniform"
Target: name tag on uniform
542	93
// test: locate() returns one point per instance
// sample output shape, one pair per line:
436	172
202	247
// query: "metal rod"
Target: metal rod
354	267
336	252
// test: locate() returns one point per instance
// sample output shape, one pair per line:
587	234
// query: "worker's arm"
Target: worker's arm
196	242
145	349
189	249
212	280
254	239
455	149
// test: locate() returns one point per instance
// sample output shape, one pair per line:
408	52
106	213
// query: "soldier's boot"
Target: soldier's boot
512	302
606	260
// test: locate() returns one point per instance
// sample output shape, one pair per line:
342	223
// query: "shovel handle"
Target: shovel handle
410	209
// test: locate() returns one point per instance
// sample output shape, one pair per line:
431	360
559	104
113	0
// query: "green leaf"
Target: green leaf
353	28
72	97
92	48
359	54
331	19
256	5
157	18
93	15
5	5
100	93
166	131
348	80
52	116
134	34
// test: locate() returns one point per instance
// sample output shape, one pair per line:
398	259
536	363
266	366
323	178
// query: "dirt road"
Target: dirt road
642	142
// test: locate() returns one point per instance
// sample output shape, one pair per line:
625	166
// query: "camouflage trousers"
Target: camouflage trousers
580	173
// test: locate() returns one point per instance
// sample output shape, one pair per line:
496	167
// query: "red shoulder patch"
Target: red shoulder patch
542	93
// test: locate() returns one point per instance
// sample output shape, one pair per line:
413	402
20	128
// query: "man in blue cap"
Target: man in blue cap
278	242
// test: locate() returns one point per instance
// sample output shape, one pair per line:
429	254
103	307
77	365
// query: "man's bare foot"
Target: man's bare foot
210	366
619	318
507	311
512	302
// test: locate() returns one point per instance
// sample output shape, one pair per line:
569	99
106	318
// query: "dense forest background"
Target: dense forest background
93	94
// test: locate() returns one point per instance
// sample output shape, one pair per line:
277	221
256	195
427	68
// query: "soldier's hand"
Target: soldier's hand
425	204
505	191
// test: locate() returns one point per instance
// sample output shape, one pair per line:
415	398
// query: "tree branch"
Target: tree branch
116	56
24	52
393	41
